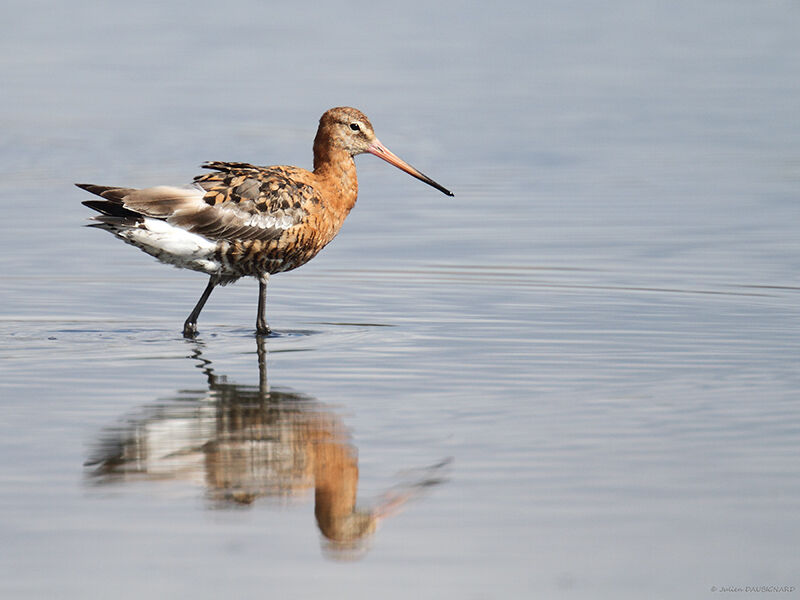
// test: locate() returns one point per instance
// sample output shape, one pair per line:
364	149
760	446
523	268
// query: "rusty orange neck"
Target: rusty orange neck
335	171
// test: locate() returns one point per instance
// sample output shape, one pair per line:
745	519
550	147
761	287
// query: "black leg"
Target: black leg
190	326
261	321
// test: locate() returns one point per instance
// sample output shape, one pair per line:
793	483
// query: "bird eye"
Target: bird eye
355	127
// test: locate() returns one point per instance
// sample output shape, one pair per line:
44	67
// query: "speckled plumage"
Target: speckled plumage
245	220
283	220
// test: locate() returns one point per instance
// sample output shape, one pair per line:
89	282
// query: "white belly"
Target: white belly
173	245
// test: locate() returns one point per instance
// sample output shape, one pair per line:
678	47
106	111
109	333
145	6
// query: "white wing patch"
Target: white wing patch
188	206
266	221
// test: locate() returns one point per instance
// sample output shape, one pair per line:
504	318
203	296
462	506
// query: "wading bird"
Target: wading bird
244	220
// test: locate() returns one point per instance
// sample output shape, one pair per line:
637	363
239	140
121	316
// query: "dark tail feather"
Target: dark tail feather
112	209
112	204
108	192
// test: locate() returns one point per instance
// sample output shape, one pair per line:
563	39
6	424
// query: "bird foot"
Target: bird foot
189	330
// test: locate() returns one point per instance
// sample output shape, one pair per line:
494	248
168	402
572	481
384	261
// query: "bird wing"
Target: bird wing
236	201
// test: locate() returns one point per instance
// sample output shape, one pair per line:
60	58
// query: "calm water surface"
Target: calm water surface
578	378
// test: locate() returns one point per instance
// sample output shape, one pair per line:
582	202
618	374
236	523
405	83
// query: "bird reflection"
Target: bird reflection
247	442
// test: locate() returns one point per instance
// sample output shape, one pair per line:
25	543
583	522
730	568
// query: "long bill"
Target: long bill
383	152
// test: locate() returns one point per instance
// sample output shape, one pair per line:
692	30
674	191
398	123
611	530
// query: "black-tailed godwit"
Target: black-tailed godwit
241	219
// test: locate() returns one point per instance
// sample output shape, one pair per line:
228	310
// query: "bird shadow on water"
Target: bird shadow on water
246	442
